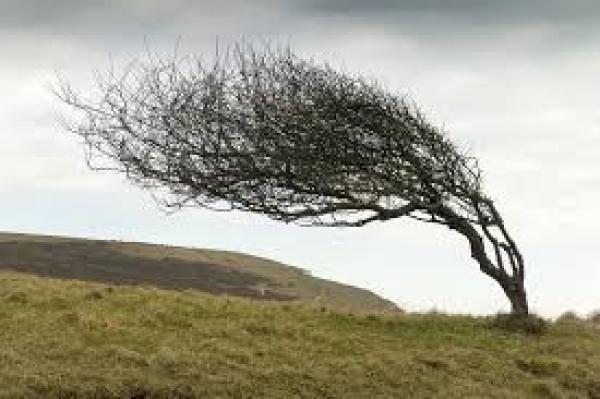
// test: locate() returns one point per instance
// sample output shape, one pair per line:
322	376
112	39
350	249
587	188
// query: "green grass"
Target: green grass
69	339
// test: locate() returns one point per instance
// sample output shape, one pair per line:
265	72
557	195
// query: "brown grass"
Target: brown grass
69	339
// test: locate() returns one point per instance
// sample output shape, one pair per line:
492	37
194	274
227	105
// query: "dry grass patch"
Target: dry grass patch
68	339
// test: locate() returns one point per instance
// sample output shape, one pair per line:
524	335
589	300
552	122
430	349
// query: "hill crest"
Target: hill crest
213	271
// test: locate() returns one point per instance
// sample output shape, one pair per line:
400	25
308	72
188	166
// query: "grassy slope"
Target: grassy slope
217	272
76	339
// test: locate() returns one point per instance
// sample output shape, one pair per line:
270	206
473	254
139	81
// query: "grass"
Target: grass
69	339
212	271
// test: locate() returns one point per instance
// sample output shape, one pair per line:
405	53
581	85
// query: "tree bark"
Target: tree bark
517	296
511	284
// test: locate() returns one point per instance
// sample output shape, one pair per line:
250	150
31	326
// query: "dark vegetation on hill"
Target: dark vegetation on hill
215	272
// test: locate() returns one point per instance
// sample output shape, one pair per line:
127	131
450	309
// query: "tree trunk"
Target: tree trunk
512	285
517	296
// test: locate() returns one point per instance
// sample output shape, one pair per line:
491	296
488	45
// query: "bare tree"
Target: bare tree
270	132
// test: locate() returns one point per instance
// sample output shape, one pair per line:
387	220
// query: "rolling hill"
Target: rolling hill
211	271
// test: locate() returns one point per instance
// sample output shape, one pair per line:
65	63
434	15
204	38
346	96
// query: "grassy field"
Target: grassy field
69	339
212	271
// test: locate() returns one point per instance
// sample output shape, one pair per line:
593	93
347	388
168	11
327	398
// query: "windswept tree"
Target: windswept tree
296	140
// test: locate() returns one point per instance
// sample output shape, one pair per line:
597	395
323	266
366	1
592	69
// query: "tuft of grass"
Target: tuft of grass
569	317
69	339
531	324
594	317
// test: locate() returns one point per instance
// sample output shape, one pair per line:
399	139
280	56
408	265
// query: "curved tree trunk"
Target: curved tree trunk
511	283
517	296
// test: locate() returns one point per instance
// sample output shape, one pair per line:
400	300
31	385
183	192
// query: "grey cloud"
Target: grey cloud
436	22
483	12
125	26
126	17
131	15
57	15
563	24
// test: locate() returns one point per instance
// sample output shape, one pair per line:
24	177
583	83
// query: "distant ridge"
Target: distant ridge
212	271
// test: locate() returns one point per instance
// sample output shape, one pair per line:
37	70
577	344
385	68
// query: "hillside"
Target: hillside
72	339
216	272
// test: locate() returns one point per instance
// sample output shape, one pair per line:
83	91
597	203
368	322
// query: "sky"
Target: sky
515	82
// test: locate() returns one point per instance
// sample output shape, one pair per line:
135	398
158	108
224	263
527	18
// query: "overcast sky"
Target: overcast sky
517	82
